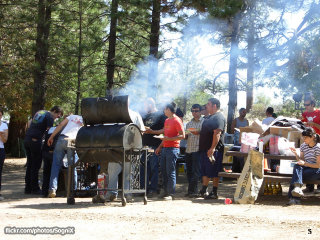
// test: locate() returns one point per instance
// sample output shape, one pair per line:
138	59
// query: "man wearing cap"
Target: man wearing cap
192	152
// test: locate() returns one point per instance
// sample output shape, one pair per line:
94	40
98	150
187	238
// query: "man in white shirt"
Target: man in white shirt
70	126
114	168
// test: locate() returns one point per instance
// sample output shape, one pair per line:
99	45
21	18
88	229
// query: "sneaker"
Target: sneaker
294	201
307	190
112	197
204	192
129	198
194	195
163	195
297	192
212	195
98	199
52	193
167	198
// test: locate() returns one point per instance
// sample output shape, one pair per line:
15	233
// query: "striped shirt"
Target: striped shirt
310	153
193	140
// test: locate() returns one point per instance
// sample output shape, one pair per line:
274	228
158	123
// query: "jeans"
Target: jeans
193	171
300	174
59	152
168	159
2	157
152	172
114	169
34	159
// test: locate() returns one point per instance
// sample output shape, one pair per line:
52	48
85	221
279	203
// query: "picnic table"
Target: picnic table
268	176
268	156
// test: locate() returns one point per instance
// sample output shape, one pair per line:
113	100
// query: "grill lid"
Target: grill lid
105	110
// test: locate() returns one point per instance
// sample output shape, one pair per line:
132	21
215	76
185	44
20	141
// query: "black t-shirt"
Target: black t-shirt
155	121
212	122
41	121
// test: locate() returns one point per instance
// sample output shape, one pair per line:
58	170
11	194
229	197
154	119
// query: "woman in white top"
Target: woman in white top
3	139
269	119
308	165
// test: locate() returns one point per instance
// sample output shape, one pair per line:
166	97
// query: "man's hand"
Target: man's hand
148	131
210	152
158	150
311	124
50	141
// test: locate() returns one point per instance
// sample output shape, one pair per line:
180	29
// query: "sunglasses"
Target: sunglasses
307	105
195	110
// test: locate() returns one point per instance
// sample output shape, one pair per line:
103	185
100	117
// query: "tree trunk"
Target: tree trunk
233	72
41	56
112	46
79	72
250	67
154	48
17	130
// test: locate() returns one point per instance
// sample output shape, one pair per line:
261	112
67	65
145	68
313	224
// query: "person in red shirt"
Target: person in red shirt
311	118
169	149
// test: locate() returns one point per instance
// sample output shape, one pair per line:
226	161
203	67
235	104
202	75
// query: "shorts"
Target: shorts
207	168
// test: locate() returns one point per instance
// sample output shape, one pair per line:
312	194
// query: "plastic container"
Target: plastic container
227	201
261	146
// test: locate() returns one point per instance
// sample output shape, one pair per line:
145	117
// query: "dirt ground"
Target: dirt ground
182	218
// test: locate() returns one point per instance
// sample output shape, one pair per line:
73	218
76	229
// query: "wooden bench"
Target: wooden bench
269	177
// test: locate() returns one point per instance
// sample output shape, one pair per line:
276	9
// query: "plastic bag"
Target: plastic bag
250	180
284	147
248	141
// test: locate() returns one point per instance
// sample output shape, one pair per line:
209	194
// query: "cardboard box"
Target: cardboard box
244	129
257	126
296	137
280	131
286	166
227	159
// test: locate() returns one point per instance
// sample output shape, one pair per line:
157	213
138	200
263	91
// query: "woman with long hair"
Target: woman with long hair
308	165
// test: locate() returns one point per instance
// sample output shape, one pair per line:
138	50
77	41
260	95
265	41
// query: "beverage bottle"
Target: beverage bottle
270	189
274	189
261	146
265	190
279	189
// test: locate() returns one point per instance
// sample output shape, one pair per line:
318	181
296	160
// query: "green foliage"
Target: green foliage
225	8
16	53
261	104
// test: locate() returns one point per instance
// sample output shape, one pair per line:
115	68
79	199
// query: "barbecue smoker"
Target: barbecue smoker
108	135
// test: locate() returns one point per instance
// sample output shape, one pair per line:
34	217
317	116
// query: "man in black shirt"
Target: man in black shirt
211	147
41	121
154	120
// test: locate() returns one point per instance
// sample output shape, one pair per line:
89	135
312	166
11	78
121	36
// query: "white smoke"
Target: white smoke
176	76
